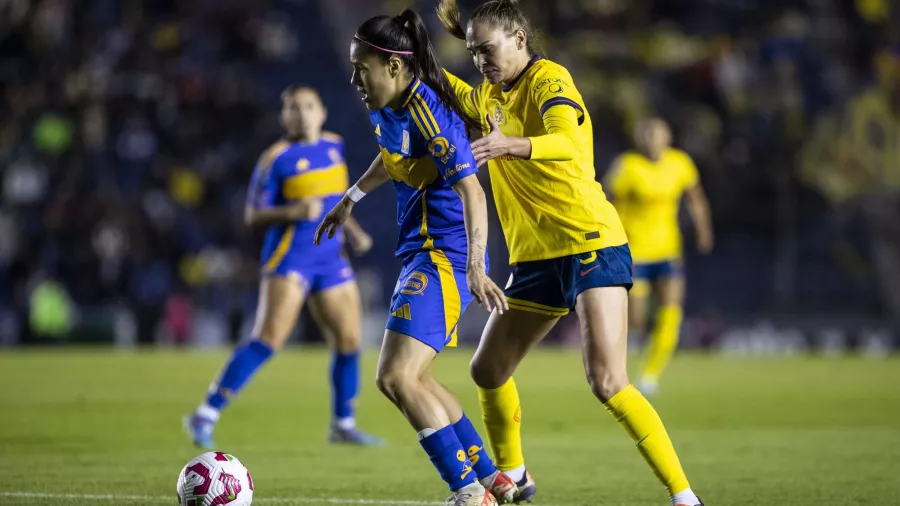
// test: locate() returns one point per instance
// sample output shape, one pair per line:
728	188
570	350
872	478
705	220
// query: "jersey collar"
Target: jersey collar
507	87
408	94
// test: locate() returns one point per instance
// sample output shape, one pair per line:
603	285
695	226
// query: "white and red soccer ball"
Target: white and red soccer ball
215	479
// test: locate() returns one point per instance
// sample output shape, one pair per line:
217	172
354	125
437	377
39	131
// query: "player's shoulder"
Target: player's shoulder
547	72
628	160
329	137
276	150
679	156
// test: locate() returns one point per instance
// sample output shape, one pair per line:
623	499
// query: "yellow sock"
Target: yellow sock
502	416
642	423
663	341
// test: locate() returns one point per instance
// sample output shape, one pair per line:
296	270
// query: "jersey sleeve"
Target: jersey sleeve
552	87
689	175
265	183
444	134
466	95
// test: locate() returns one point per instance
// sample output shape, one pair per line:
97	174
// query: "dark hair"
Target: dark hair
293	88
386	36
505	14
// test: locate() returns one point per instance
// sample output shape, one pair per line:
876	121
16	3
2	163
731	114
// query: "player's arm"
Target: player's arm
698	206
465	94
614	182
375	176
358	239
260	209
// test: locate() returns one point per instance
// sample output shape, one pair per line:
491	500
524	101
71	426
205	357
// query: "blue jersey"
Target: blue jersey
425	150
285	173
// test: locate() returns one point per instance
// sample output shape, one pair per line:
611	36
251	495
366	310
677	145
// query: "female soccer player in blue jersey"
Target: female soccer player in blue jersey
295	181
564	238
442	215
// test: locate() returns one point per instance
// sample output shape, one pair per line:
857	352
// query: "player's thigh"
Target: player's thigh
403	360
670	289
506	340
603	314
280	301
337	311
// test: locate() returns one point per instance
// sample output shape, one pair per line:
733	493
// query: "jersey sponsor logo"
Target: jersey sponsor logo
302	164
553	82
402	312
404	148
555	88
335	155
415	284
460	166
439	147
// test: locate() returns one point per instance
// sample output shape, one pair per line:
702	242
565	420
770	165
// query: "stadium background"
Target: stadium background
128	131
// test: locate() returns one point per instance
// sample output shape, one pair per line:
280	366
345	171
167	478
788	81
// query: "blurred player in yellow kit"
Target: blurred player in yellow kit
647	186
565	239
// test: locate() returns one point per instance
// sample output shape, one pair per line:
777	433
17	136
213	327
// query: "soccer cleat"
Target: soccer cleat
200	430
648	387
502	487
353	437
471	495
527	488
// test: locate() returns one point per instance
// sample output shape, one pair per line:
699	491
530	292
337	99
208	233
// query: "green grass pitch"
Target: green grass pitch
102	427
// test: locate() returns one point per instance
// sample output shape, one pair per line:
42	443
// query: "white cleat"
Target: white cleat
471	495
648	386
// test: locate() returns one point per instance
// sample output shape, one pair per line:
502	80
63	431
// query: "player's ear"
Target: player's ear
395	66
521	38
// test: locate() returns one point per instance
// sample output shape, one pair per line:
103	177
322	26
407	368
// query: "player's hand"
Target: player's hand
306	209
705	242
333	220
486	293
360	243
490	146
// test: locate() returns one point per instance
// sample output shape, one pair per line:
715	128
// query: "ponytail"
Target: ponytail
448	14
427	67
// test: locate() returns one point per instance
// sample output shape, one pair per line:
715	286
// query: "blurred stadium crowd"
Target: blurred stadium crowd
128	131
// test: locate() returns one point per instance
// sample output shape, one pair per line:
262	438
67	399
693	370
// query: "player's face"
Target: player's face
302	114
373	78
653	137
498	55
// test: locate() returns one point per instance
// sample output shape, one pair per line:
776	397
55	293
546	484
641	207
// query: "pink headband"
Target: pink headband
381	48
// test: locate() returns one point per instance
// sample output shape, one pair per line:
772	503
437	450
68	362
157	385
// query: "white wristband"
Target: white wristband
355	193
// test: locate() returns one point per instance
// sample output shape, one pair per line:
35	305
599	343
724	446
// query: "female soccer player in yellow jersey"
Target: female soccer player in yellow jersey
564	238
647	186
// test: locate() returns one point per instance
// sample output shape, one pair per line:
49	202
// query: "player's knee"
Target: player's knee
273	337
486	374
393	384
347	342
606	383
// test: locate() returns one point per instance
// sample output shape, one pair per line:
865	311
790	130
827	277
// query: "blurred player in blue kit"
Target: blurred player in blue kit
297	180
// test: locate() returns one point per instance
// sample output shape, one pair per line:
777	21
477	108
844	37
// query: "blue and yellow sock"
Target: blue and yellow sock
244	363
474	446
447	455
344	386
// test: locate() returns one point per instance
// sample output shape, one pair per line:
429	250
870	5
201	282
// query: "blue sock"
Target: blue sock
344	383
447	455
244	363
471	441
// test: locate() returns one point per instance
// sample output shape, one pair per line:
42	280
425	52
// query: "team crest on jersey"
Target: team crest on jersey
498	115
335	155
302	164
404	148
415	284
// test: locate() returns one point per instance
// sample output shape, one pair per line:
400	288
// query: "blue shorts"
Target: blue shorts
551	286
315	277
430	296
656	270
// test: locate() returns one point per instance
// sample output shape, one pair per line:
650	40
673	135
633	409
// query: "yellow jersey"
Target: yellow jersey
548	209
647	195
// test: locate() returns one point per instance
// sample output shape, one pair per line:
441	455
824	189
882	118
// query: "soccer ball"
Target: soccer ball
214	479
